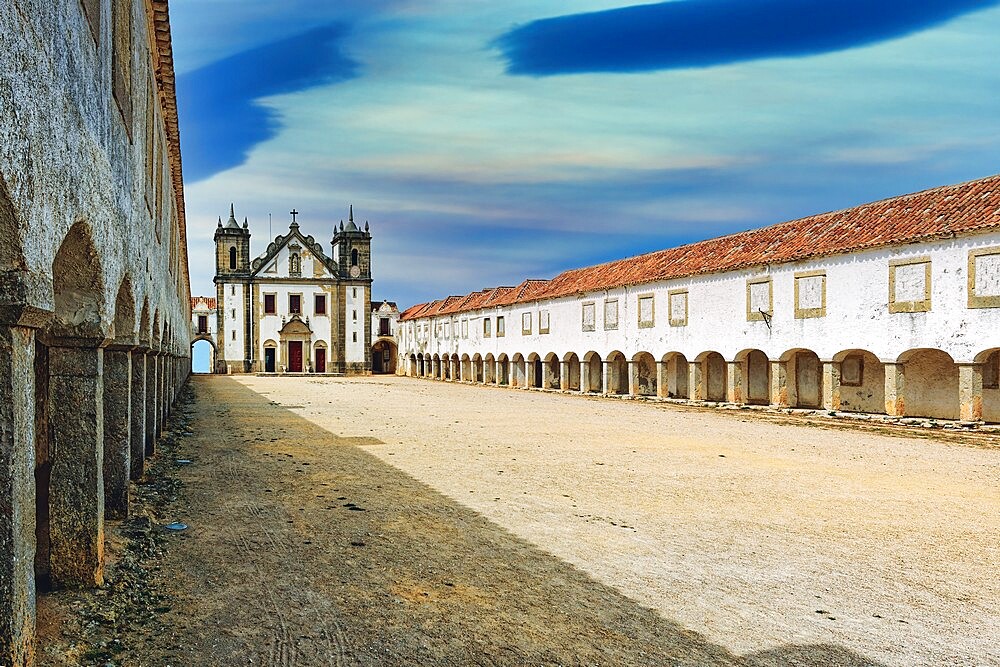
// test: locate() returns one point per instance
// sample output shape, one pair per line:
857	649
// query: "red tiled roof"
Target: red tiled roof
943	212
210	300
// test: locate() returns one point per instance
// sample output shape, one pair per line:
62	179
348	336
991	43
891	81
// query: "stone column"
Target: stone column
137	437
895	380
17	495
608	366
779	384
662	385
633	378
735	381
117	430
76	490
584	366
831	385
696	384
970	392
150	440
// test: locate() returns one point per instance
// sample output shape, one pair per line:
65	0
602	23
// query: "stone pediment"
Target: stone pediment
295	240
295	327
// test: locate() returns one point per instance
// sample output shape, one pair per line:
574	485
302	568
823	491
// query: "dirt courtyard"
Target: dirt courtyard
394	521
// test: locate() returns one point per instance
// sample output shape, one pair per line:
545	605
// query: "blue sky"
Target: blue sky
491	141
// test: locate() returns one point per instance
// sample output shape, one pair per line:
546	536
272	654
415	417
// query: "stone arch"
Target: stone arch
930	384
861	381
616	376
455	367
466	371
78	286
804	378
551	373
592	373
535	370
674	375
710	383
477	368
989	361
754	378
643	376
489	369
124	324
213	352
518	371
11	249
503	370
412	370
384	357
428	365
321	357
572	362
156	336
436	366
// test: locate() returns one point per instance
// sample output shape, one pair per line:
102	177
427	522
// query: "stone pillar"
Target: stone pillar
137	436
696	384
584	375
735	380
76	487
662	386
831	385
149	442
564	375
633	378
117	430
970	392
17	495
895	380
608	366
779	384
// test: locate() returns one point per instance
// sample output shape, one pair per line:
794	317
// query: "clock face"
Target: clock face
355	271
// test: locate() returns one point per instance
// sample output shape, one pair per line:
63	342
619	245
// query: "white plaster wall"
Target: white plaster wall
233	301
270	325
355	304
857	314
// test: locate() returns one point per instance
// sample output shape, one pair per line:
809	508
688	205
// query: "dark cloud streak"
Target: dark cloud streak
220	118
705	33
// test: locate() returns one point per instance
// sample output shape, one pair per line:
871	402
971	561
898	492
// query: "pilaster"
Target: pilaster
970	392
117	430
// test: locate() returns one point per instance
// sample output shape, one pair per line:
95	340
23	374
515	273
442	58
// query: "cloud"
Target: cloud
221	115
705	33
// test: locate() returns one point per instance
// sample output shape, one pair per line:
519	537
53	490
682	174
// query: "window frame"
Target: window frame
919	306
296	295
583	316
319	299
274	303
671	319
756	315
607	326
986	300
650	323
807	313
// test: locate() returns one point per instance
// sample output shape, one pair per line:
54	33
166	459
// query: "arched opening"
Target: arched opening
552	372
354	257
79	286
804	373
674	375
489	370
755	377
436	366
202	355
320	357
270	356
572	362
990	369
413	366
930	384
710	373
384	357
518	372
535	371
466	374
644	374
477	368
232	258
593	373
456	367
617	380
862	381
428	366
503	370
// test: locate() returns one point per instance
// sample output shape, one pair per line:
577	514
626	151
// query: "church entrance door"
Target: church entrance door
320	360
294	356
269	360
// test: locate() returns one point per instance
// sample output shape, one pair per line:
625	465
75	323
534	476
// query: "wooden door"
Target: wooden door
269	360
295	356
320	360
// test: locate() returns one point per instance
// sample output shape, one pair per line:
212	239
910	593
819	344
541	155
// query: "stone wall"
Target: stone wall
94	290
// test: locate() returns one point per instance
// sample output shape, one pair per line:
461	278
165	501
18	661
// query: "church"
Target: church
294	308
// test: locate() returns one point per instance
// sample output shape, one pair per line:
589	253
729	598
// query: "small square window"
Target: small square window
910	285
295	304
588	315
677	307
269	304
810	294
355	336
354	315
611	314
525	324
543	321
319	306
500	327
646	314
852	371
487	327
234	334
760	300
984	278
465	328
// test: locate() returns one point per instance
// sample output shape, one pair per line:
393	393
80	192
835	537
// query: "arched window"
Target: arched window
232	257
294	264
354	257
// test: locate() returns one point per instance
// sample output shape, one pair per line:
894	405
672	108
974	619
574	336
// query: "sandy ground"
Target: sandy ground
393	521
755	534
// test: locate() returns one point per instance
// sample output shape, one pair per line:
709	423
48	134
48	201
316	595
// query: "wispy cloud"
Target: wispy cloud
222	117
704	33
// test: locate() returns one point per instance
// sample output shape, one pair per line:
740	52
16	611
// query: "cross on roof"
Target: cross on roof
293	213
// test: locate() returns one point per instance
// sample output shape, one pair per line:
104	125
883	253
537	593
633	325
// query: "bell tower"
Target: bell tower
232	290
232	247
353	248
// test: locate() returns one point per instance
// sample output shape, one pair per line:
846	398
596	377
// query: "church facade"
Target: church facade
889	308
294	308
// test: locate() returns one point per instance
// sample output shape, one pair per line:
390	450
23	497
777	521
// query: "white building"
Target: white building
293	309
385	347
892	307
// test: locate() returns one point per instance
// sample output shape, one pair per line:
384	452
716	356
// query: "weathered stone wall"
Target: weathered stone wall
94	292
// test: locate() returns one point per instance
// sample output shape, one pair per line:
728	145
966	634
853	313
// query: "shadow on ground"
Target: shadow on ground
306	550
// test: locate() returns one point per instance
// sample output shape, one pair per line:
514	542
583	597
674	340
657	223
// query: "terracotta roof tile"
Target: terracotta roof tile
943	212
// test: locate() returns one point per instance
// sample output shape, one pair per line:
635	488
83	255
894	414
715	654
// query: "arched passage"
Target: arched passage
643	375
710	372
202	355
477	368
383	357
489	369
754	377
592	373
552	372
519	376
930	384
572	373
674	375
503	370
861	381
617	374
990	370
